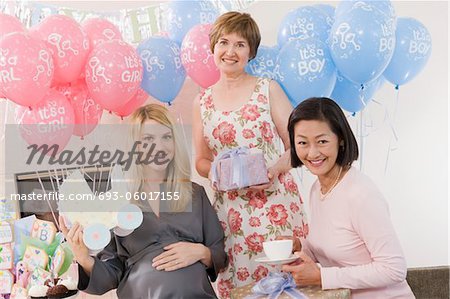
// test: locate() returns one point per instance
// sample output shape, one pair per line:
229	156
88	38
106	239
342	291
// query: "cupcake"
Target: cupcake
38	292
64	288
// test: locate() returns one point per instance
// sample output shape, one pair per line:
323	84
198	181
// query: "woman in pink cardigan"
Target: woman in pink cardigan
350	233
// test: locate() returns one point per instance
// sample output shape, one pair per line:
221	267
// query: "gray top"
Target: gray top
126	263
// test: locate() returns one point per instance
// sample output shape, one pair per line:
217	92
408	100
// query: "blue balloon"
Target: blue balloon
351	96
163	72
362	43
328	10
412	51
183	15
305	69
384	6
263	65
302	23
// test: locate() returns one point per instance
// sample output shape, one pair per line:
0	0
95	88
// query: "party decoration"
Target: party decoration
136	101
49	123
68	43
6	281
362	43
39	276
163	72
6	256
352	97
87	112
9	24
100	30
96	237
18	292
197	58
383	6
328	9
57	260
26	69
305	69
8	209
44	231
183	15
35	258
302	23
113	73
5	233
412	51
22	274
263	65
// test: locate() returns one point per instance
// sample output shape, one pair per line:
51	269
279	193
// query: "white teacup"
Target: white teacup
278	249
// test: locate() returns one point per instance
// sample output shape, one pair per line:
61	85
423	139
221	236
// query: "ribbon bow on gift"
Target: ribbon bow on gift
237	175
273	285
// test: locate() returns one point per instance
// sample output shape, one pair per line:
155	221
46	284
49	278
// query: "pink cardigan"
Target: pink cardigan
352	237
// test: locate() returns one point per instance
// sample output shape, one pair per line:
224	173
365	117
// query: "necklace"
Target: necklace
323	196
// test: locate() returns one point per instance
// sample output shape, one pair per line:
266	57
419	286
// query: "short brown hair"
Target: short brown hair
239	23
325	109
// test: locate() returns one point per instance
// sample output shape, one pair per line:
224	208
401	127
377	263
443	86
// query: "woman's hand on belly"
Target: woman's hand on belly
181	254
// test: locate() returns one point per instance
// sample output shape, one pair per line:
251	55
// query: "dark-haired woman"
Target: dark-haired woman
351	234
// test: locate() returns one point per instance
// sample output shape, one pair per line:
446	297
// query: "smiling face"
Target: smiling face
162	137
231	53
317	147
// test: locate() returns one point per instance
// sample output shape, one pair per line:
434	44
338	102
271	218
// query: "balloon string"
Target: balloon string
48	202
361	139
5	119
391	121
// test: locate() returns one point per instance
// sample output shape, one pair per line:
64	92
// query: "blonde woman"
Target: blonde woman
180	242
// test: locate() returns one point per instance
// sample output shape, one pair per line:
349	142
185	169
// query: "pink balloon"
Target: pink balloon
197	58
100	30
26	69
68	43
9	24
113	73
48	123
136	101
87	112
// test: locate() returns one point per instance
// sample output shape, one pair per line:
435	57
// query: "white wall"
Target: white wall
415	182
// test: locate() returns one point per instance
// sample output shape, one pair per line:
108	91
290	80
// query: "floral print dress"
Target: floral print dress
249	218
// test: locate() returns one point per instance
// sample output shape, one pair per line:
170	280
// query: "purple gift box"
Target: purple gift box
239	168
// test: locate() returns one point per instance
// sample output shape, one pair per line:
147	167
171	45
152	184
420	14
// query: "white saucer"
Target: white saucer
266	260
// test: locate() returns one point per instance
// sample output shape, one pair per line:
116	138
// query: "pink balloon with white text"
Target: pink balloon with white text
197	58
136	101
48	123
9	24
68	43
100	30
87	112
26	69
113	74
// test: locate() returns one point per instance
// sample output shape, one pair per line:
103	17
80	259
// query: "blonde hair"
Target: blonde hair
178	170
239	23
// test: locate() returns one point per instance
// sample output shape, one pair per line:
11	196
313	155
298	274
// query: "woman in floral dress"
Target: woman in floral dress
242	110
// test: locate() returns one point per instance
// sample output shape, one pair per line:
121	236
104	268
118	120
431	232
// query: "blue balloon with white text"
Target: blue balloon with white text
412	51
183	15
263	65
305	69
302	23
163	72
362	43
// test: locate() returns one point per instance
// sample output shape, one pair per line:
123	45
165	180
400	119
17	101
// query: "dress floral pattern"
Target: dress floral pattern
250	218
